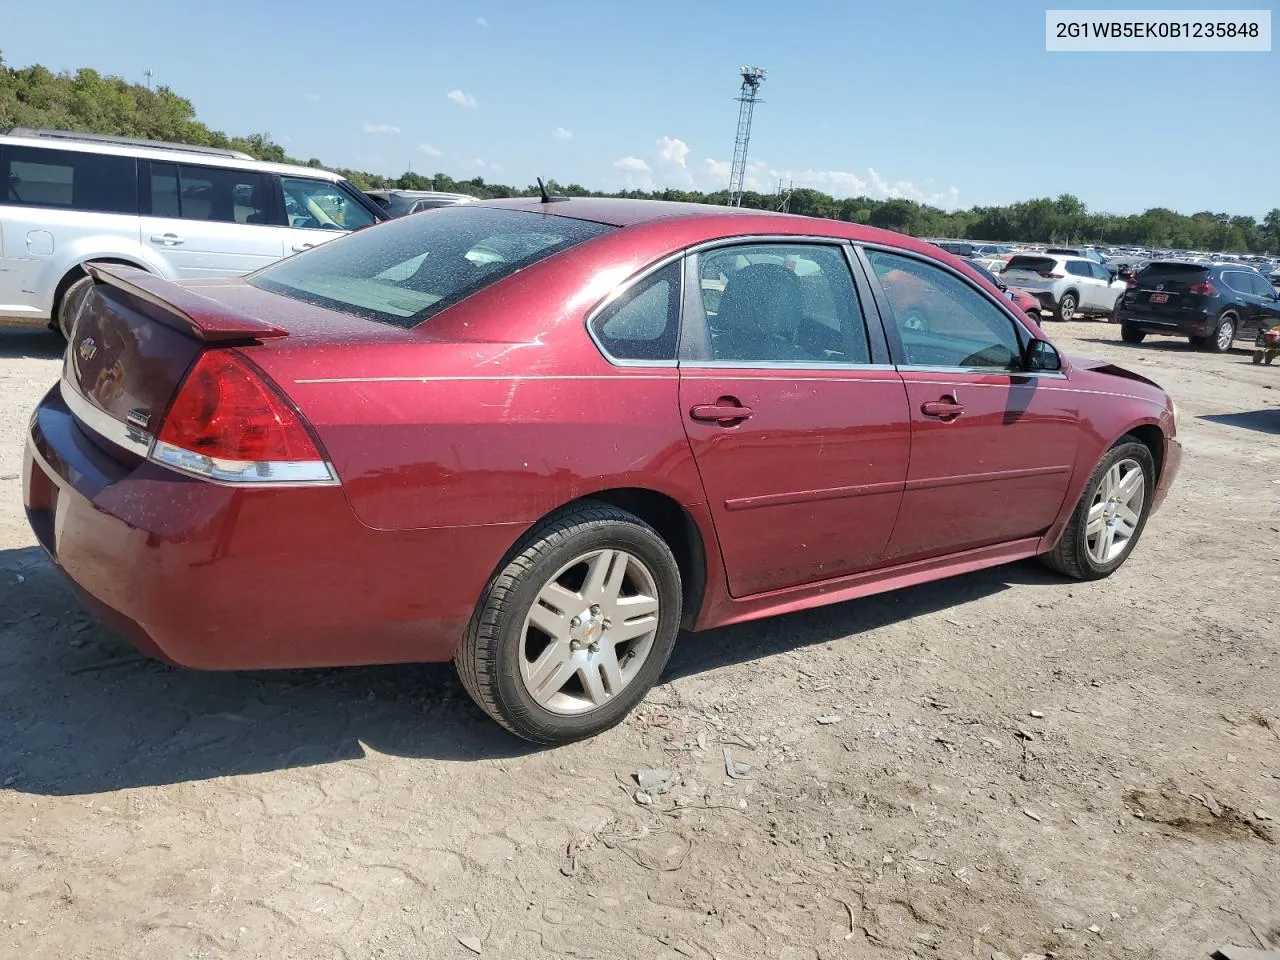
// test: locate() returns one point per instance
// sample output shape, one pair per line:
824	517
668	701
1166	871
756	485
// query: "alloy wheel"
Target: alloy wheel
1226	334
589	631
1116	511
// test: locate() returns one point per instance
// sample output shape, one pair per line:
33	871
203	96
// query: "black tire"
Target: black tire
69	305
488	657
1067	307
1131	334
1071	554
1257	359
1214	342
1270	357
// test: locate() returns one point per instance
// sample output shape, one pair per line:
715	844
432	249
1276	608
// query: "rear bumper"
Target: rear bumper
1192	325
217	577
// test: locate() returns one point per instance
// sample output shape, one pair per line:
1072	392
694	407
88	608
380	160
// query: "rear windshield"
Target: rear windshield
1034	264
1184	272
407	270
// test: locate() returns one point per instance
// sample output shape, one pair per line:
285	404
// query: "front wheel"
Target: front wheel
1110	516
1067	307
576	627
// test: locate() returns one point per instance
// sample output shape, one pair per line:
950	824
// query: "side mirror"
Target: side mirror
1041	355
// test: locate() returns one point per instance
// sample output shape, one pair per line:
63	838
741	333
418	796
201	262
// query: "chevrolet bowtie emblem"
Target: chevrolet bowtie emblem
87	349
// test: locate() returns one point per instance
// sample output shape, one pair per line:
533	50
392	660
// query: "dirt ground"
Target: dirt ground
1003	764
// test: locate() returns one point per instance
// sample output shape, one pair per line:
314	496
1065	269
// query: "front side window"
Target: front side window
322	205
69	180
1261	287
187	192
411	268
783	303
941	320
643	323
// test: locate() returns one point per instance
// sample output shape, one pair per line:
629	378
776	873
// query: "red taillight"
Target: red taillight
1052	276
1205	288
1131	283
228	423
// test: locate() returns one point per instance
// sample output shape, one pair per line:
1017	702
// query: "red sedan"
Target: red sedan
540	438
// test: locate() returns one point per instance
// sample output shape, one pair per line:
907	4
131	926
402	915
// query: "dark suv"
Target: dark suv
1209	303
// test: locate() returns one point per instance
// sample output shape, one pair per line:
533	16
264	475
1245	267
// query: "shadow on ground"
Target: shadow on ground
36	342
82	713
1264	421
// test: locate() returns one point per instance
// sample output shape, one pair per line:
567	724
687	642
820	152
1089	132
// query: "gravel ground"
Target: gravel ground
1004	763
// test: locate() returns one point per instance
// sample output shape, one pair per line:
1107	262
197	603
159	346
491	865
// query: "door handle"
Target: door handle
946	408
298	248
168	239
726	411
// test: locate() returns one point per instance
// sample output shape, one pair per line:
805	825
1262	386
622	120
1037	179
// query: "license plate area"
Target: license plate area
1159	298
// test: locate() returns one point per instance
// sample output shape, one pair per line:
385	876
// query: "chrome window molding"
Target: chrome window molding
986	371
621	290
815	366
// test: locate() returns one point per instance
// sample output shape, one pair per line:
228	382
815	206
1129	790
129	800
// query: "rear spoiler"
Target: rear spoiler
181	308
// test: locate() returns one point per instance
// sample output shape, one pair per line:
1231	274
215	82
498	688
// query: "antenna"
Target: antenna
548	197
748	96
148	73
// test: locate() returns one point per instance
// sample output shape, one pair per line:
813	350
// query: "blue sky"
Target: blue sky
954	102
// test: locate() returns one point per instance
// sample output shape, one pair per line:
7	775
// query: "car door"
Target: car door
1108	288
1268	303
795	416
317	211
1245	300
992	445
1082	280
210	221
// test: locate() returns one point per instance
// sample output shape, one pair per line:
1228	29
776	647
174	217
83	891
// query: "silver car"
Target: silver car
1067	287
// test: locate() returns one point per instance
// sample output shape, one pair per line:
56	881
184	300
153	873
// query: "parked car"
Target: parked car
178	211
960	248
543	467
1209	304
1066	286
1024	301
400	203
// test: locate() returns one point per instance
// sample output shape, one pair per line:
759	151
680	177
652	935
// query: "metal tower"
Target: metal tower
752	77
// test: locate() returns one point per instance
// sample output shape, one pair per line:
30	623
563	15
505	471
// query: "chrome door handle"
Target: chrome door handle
946	408
168	239
726	412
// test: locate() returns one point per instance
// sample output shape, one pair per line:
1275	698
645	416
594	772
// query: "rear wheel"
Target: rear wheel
69	305
1131	334
1067	306
1110	516
1221	339
573	631
1257	358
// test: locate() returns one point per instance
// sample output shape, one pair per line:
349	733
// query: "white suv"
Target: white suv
177	211
1065	286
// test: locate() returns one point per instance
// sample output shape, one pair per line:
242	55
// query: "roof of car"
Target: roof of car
419	194
624	212
159	151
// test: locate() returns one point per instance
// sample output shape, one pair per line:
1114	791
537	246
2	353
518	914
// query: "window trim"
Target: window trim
695	312
898	352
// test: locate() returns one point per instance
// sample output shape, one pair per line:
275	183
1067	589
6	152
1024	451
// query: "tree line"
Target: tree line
89	101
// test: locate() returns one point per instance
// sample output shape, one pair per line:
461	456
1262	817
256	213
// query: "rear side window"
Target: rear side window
1034	264
188	192
1238	281
643	323
1078	269
410	269
69	180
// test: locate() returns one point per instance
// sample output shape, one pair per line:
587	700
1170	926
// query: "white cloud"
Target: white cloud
632	164
560	133
429	150
313	97
482	23
461	99
380	128
763	177
673	151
